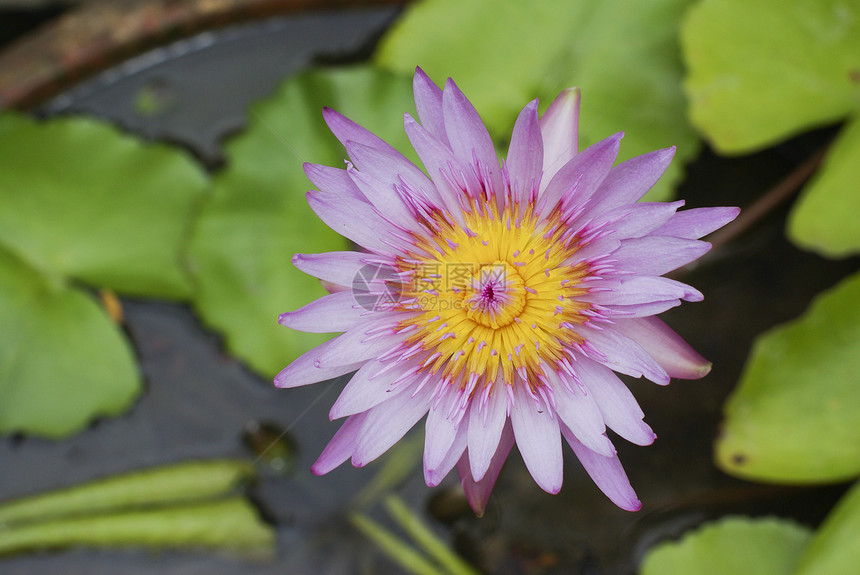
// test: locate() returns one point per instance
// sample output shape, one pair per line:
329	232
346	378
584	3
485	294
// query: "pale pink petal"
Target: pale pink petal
622	354
559	128
333	180
386	423
525	154
617	405
341	446
669	349
478	492
383	196
485	430
630	180
642	310
577	180
335	267
657	255
357	221
580	413
641	218
443	422
428	104
345	130
306	368
698	222
538	439
606	472
330	313
361	343
467	134
370	386
641	290
434	474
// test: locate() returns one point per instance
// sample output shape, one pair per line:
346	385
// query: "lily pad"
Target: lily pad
736	545
257	217
834	549
825	217
62	361
793	417
80	200
762	71
624	56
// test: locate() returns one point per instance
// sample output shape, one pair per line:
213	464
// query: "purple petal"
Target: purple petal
341	446
537	439
629	181
438	160
617	405
357	346
478	492
579	178
560	132
354	220
669	349
440	430
387	423
333	180
606	472
657	255
437	471
641	290
698	222
485	430
467	134
335	267
580	413
331	313
428	103
643	309
525	154
381	194
622	354
307	369
368	388
345	130
640	219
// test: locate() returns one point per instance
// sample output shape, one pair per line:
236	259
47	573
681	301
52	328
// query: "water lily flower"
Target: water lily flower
497	300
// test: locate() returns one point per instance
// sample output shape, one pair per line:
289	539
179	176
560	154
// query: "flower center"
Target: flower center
493	296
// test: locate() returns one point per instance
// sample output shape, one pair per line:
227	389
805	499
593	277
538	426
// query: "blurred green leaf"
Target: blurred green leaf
231	525
624	55
834	549
178	483
762	71
62	361
80	200
258	217
793	417
825	218
733	545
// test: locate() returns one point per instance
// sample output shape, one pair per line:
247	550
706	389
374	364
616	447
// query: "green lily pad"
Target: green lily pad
825	217
834	549
624	55
793	417
62	361
80	200
736	545
258	218
762	71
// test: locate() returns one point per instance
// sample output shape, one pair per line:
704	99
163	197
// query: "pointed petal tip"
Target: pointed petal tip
632	506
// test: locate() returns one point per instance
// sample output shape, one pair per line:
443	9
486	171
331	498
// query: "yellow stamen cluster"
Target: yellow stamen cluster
497	296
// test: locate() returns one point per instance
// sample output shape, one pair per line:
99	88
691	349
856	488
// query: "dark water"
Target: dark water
200	403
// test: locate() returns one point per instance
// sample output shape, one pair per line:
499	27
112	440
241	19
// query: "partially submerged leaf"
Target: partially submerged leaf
624	55
834	549
80	200
258	218
762	71
170	484
825	218
62	361
793	417
231	525
733	545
